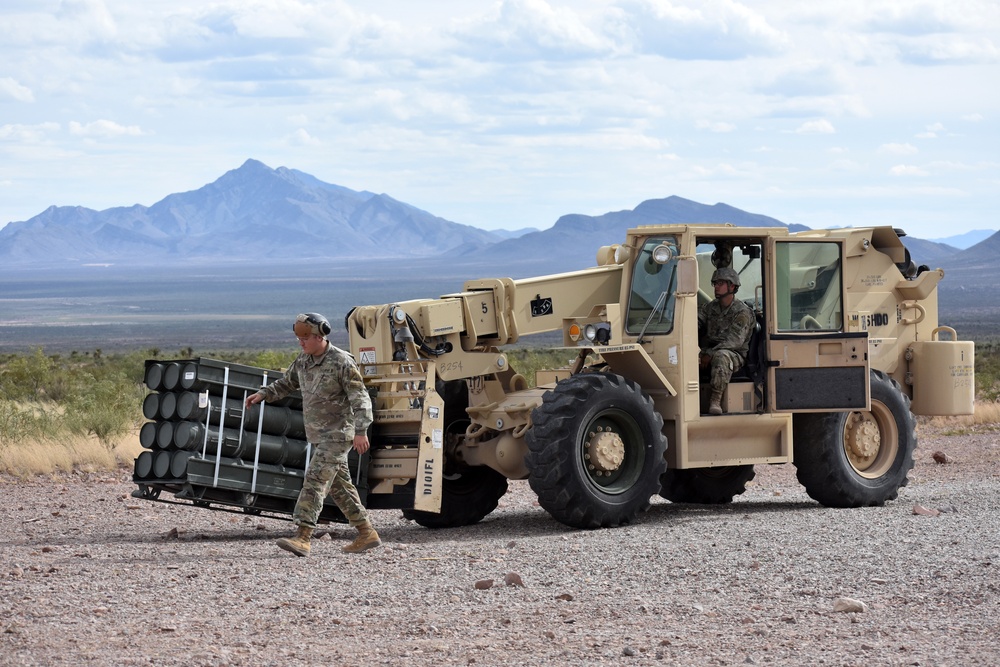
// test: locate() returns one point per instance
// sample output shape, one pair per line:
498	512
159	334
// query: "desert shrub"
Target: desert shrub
274	359
106	405
20	422
26	377
988	372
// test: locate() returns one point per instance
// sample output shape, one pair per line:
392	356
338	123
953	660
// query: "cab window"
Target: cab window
809	286
652	300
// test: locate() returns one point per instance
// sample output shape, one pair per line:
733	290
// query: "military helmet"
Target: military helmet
726	273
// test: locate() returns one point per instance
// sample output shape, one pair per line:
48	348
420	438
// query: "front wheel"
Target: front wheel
595	451
857	458
466	498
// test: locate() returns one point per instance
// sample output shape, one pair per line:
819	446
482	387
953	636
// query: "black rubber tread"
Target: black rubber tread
466	498
557	469
705	486
821	463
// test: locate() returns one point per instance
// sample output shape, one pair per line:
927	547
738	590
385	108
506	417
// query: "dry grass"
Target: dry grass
985	414
46	456
33	457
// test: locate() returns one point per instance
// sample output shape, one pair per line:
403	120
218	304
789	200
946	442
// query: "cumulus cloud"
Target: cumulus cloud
807	80
948	49
528	29
15	91
103	129
715	126
906	170
913	18
88	17
301	137
931	131
897	149
698	30
27	133
822	126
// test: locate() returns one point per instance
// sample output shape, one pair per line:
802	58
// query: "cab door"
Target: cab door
814	363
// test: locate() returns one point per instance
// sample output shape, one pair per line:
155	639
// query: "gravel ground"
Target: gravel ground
90	575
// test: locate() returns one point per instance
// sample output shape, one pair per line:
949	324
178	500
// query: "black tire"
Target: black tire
466	498
467	494
857	458
584	482
705	486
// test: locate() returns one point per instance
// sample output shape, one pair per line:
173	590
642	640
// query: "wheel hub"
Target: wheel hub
605	451
863	436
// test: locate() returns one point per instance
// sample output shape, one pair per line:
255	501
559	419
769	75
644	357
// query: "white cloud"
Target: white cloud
104	129
898	149
822	126
698	29
973	117
906	170
527	29
931	131
948	49
845	164
816	79
11	88
302	138
719	127
913	18
27	133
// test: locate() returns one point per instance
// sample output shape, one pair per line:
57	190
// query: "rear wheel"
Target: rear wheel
857	458
705	486
595	451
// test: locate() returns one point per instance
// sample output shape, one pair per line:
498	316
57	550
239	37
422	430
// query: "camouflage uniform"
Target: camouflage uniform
335	405
726	339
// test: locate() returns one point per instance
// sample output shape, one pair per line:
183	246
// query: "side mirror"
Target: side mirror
687	276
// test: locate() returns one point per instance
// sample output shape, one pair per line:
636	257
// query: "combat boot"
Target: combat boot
298	545
367	539
715	403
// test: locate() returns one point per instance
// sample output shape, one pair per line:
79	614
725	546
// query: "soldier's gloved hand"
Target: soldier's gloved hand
704	360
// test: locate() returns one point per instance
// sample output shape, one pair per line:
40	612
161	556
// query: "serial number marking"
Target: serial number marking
449	366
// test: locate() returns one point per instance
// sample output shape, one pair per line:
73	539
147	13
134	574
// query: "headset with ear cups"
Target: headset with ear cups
318	323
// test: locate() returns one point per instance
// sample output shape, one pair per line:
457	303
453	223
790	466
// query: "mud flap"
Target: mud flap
430	461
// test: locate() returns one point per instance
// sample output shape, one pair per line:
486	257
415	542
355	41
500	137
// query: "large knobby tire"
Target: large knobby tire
595	451
857	458
705	486
466	497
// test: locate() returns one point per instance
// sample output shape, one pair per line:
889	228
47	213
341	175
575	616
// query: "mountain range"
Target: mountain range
255	214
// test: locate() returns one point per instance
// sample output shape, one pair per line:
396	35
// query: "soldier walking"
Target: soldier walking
337	412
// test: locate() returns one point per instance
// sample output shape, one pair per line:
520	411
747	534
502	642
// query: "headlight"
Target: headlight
599	333
663	253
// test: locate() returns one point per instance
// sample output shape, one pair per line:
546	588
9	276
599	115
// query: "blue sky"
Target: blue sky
509	114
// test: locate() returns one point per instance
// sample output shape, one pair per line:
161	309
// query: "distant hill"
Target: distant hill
928	252
256	214
573	241
250	214
966	240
